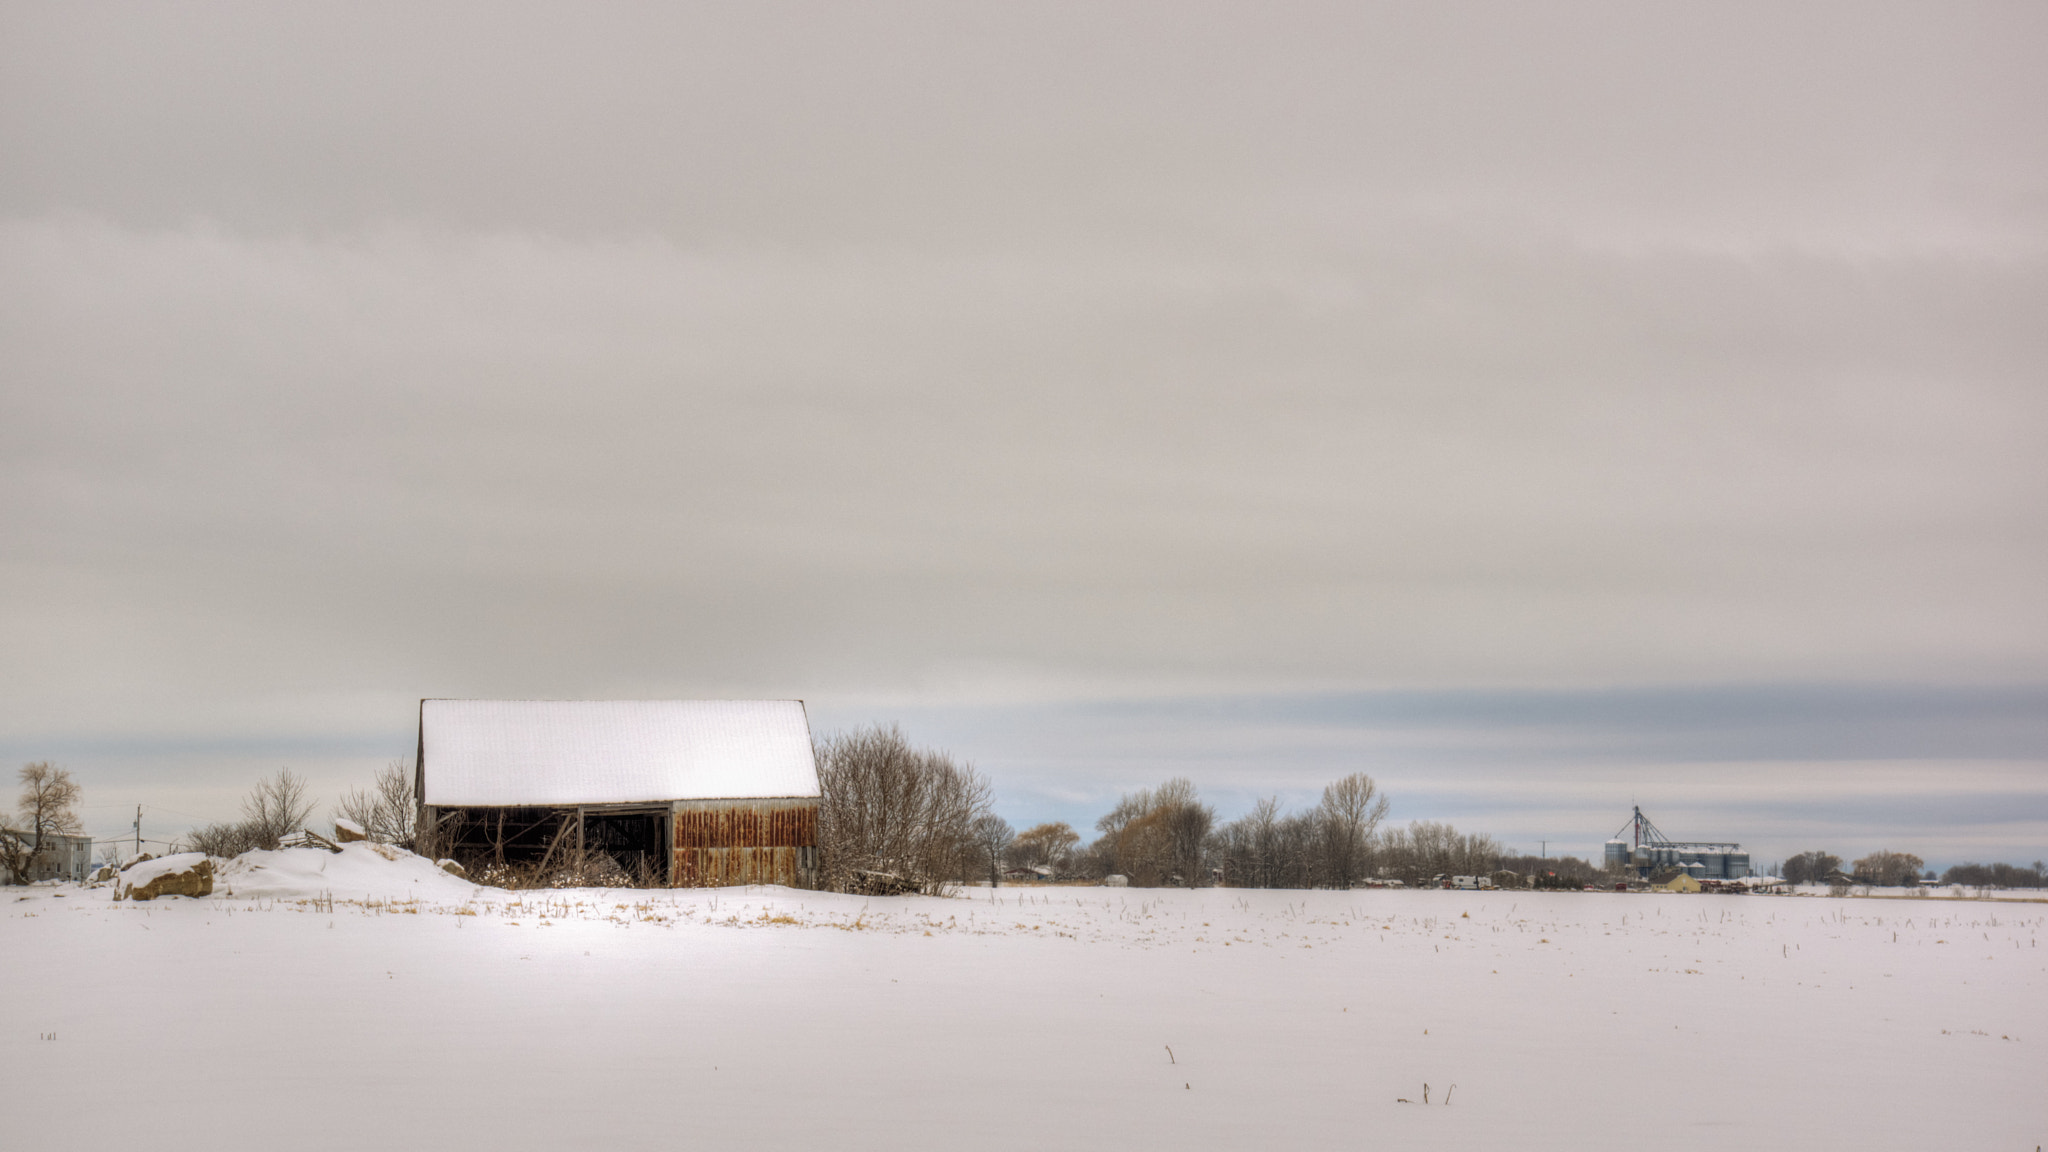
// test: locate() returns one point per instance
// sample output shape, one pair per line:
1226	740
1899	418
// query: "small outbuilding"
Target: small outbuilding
1675	880
677	792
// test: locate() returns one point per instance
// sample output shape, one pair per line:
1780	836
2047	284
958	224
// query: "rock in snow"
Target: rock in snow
185	874
347	831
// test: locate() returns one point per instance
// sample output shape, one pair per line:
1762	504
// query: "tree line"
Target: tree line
1888	869
896	815
1997	876
1884	869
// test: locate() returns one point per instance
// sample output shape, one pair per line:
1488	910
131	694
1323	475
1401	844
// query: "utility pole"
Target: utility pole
1546	848
138	829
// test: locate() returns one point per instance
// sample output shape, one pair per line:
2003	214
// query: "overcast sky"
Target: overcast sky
1542	407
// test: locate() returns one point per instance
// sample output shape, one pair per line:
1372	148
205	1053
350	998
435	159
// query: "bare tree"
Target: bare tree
1259	849
1351	812
992	836
1186	822
276	808
1262	843
1156	837
1811	867
1889	869
1047	845
1331	845
47	807
1427	848
14	856
388	811
1115	823
891	810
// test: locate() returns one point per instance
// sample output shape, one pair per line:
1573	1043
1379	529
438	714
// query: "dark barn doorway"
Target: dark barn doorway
636	841
621	846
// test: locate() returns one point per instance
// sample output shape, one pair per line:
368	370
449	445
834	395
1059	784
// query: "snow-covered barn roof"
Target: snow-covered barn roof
562	752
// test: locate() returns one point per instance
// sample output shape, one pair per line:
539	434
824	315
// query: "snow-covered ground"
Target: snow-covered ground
412	1009
1932	892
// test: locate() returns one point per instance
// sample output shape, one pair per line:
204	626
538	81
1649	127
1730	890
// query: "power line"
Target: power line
174	812
157	807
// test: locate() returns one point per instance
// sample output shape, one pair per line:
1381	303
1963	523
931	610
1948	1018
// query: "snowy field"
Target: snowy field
1932	892
414	1010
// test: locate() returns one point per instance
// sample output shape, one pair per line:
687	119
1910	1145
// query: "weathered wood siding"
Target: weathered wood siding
727	842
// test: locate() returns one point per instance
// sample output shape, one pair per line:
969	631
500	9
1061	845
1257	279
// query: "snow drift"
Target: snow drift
360	871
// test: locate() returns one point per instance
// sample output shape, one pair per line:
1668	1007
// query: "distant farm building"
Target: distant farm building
678	792
1641	848
64	856
1675	880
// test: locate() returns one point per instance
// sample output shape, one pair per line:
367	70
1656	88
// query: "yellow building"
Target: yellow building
1677	880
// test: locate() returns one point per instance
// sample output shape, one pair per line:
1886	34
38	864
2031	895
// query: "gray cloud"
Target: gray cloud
938	356
629	464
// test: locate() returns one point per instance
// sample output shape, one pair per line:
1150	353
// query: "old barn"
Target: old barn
679	792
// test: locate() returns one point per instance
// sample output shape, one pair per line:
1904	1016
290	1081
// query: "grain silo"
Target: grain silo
1645	849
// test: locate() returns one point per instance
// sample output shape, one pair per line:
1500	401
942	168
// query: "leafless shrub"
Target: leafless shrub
274	809
893	811
388	811
225	840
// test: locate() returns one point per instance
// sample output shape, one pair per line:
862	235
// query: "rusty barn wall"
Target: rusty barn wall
726	842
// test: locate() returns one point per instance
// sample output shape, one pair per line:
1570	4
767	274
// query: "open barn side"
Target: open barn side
648	792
